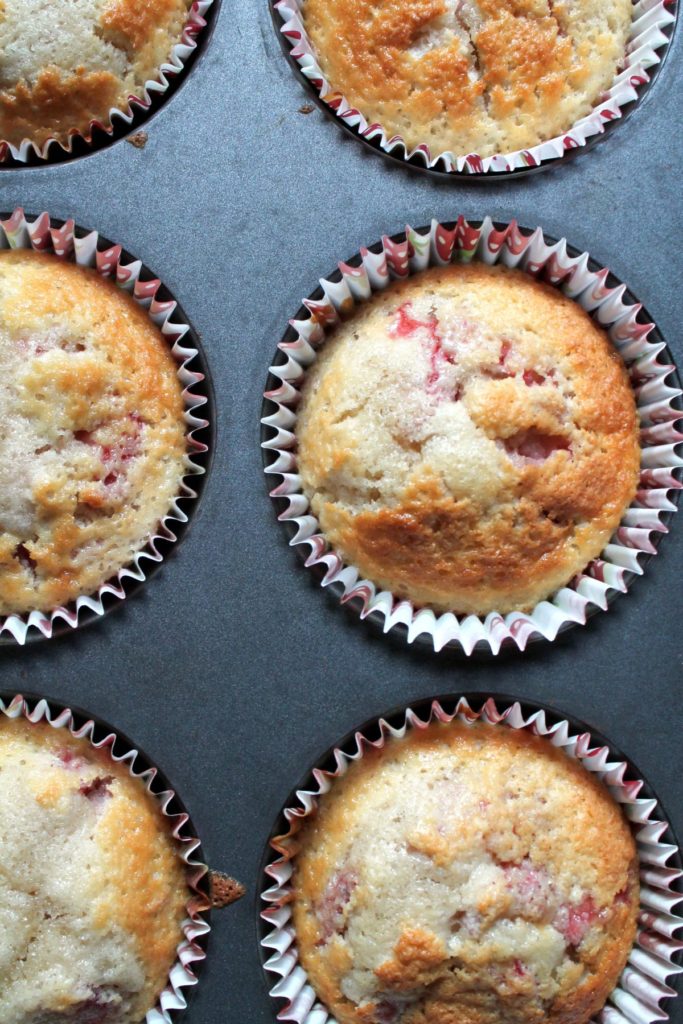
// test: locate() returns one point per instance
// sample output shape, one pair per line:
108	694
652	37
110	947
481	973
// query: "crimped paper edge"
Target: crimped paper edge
156	87
654	957
17	232
195	926
438	245
650	17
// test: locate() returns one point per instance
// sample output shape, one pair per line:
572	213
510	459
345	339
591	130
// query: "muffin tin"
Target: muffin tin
231	669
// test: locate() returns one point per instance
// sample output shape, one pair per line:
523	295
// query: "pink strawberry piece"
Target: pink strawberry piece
519	969
530	888
535	446
386	1012
330	908
531	377
97	788
69	759
93	1010
501	372
573	920
405	325
505	349
84	436
113	456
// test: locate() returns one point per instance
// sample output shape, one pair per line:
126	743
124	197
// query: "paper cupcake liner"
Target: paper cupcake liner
154	90
195	926
653	960
575	276
650	32
67	242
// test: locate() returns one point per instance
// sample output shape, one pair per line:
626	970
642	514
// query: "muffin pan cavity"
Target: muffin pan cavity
87	249
651	373
642	993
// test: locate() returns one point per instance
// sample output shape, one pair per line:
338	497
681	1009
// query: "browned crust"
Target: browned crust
57	104
224	890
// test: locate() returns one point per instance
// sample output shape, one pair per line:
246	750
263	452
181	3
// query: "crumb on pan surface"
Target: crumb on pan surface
92	442
470	76
65	63
92	889
465	875
468	439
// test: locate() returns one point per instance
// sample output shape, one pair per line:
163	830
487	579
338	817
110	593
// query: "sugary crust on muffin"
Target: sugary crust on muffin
466	873
92	443
468	439
482	76
65	63
92	889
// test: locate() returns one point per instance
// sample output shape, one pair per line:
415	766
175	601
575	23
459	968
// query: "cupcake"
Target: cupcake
468	77
65	65
93	891
94	446
465	873
468	440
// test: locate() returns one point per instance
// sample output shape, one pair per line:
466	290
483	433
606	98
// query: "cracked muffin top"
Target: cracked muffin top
470	76
65	63
468	439
467	873
92	890
92	442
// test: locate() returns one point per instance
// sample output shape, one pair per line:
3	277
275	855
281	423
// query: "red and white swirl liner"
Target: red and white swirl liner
654	958
17	232
195	926
643	521
644	49
154	89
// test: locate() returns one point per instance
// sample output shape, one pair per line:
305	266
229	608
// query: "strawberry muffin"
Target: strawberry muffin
467	874
66	63
470	76
468	439
92	890
92	447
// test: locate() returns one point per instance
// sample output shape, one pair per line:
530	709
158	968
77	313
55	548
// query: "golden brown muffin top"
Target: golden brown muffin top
92	451
466	873
469	76
90	882
468	439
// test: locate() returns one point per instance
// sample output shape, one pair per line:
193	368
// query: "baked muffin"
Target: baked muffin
468	439
92	891
465	875
66	63
470	76
92	445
